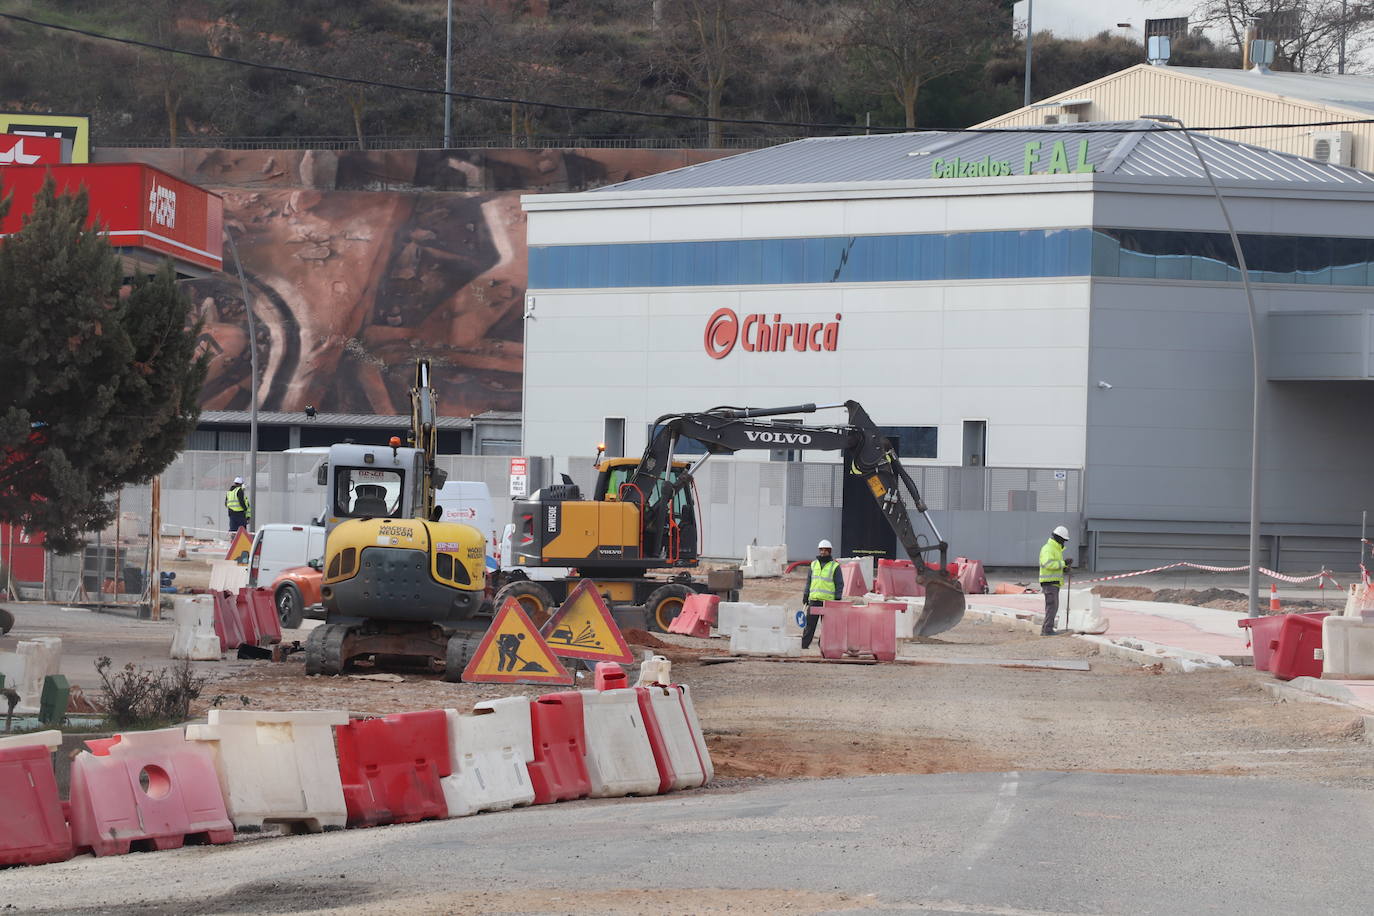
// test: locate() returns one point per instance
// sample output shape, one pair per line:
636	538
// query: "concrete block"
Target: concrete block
1347	648
757	640
764	562
195	636
276	767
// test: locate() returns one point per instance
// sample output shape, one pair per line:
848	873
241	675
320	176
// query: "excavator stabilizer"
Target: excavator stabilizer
944	605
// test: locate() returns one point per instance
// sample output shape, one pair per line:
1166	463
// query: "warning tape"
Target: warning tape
1324	574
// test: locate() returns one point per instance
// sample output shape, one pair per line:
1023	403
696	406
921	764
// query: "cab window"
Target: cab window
368	492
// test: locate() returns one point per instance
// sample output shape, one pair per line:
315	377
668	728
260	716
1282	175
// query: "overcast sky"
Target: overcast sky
1081	18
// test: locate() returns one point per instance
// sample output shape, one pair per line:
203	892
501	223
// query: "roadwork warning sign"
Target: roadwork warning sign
512	652
583	627
240	547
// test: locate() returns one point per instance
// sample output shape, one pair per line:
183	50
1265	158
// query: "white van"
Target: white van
280	547
469	502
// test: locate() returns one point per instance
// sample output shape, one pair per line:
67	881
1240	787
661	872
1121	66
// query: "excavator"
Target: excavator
397	585
642	516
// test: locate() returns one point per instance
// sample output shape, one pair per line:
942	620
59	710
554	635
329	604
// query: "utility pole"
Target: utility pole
1030	33
252	381
1345	24
448	81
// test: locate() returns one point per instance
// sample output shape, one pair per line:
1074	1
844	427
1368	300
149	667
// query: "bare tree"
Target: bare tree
706	43
1312	36
899	45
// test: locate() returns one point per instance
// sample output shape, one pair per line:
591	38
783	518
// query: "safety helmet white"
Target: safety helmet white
825	545
1061	532
238	480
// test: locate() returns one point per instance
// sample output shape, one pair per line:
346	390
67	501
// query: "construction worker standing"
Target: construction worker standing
1052	566
824	582
236	501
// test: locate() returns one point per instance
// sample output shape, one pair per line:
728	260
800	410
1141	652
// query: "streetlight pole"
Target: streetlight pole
252	381
1030	34
1254	362
448	81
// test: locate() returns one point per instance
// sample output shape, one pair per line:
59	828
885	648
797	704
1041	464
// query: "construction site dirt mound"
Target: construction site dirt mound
1129	592
1197	597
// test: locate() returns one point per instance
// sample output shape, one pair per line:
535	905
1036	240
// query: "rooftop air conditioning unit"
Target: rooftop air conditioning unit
1067	117
1332	146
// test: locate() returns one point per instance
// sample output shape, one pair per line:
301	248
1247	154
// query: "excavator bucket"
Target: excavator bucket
944	605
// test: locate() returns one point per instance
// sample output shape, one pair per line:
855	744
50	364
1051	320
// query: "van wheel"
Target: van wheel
534	599
664	604
290	606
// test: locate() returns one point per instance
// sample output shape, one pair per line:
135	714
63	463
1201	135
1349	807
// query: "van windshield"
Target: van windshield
367	492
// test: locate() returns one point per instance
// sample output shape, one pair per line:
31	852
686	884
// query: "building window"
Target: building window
913	441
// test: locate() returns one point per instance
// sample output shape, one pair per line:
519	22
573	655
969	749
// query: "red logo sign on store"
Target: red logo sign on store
18	149
757	335
162	205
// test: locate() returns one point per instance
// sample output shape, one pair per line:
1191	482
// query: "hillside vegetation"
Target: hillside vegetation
895	62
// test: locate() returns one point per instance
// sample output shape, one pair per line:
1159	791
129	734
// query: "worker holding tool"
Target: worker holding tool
236	501
824	582
1052	567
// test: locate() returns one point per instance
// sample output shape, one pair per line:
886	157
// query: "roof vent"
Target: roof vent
1333	146
1064	117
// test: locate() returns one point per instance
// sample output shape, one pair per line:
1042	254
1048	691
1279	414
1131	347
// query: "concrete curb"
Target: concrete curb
1313	690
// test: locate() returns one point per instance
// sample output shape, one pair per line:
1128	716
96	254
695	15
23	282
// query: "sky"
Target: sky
1082	18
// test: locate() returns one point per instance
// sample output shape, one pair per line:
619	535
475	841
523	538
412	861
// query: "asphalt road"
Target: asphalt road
985	843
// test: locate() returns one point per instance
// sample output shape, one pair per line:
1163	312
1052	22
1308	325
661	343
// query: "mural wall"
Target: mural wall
357	262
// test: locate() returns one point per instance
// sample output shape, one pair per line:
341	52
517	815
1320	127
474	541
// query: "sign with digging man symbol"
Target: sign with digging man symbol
512	652
583	627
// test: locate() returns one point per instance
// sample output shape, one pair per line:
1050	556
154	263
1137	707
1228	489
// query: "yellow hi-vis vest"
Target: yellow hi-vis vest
822	581
236	500
1052	562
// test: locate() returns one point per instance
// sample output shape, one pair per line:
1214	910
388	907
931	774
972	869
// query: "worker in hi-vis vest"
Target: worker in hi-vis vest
236	501
824	582
1052	566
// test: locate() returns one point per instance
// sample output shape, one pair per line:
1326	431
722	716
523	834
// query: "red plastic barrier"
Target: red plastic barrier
972	579
559	769
698	615
859	630
228	622
33	829
854	582
150	790
391	766
1264	636
262	613
248	623
898	578
609	676
1299	636
667	775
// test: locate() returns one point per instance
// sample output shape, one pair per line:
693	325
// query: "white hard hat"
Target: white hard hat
1062	532
238	480
826	545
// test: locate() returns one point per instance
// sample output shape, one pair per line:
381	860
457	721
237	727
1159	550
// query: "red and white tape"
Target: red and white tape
1324	574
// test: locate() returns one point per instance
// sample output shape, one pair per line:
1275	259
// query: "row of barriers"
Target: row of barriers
316	771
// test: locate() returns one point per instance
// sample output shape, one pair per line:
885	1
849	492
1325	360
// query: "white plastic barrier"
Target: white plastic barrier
731	615
695	724
1348	648
655	669
678	739
869	565
620	760
49	739
1084	612
227	576
1360	601
195	637
775	640
763	562
25	668
906	618
277	767
491	751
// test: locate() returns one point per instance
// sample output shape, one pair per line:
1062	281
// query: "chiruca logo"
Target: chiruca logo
757	334
779	438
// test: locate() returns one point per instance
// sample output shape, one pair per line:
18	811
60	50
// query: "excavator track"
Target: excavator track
461	647
324	649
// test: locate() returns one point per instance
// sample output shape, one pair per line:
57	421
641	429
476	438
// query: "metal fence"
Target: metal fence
437	142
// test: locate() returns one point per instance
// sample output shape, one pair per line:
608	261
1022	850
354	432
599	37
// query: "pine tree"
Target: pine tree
98	381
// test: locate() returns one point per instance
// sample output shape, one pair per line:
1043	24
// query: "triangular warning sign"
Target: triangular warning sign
512	652
583	627
240	547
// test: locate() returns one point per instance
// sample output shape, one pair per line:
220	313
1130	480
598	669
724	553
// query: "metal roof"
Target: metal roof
1339	90
1156	152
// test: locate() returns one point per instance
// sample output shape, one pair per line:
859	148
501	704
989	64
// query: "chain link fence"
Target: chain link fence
480	142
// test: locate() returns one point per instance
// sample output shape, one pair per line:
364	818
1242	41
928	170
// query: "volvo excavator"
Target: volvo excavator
642	516
397	585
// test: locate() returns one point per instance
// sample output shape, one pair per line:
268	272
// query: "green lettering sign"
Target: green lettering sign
987	167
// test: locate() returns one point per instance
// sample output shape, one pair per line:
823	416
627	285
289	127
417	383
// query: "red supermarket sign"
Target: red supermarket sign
757	334
139	206
16	149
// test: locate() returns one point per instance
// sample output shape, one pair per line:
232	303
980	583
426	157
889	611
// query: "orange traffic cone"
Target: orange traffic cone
1274	599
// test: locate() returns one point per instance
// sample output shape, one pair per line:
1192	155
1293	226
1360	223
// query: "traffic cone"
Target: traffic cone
1274	599
181	545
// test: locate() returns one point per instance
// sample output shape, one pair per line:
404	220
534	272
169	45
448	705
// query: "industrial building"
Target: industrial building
1050	323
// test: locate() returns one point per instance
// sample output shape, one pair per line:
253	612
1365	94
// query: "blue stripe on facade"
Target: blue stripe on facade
998	255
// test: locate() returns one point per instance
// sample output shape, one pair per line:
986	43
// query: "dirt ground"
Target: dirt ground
802	720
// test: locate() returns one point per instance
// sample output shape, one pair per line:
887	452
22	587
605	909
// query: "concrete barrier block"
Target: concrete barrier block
773	641
1347	648
227	576
195	637
491	751
764	562
276	767
620	759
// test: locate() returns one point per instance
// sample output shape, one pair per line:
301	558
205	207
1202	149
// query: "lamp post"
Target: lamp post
252	380
1030	34
448	81
1254	362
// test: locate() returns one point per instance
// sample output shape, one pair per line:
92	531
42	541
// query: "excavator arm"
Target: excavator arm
725	430
424	435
